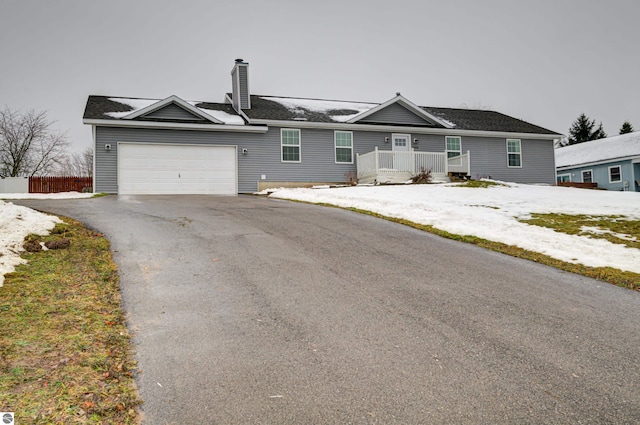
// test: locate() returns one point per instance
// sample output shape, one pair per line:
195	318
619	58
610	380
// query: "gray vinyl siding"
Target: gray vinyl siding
243	74
234	88
106	179
317	159
172	112
317	155
489	160
240	87
395	114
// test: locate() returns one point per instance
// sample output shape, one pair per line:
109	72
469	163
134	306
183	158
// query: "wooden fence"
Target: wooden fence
580	185
60	184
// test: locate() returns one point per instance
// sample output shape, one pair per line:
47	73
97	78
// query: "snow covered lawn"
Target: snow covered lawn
17	222
492	213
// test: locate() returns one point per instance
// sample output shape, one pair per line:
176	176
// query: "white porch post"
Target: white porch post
468	163
446	164
413	162
376	155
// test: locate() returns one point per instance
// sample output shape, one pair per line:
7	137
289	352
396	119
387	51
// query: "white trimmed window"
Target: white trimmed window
514	153
587	176
563	178
344	146
290	144
454	146
615	174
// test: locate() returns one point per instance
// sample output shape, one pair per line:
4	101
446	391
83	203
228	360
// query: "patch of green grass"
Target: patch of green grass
617	277
480	184
65	354
614	228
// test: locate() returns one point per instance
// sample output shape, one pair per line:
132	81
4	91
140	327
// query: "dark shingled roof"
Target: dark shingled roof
263	108
324	111
464	119
474	119
99	106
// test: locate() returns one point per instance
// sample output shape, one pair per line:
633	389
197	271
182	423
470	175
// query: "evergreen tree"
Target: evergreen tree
582	130
599	133
626	128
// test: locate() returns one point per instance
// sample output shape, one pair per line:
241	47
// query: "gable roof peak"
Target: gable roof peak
408	105
169	100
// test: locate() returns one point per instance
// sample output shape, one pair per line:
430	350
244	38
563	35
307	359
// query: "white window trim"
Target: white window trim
612	167
582	175
282	130
335	147
558	176
513	153
446	145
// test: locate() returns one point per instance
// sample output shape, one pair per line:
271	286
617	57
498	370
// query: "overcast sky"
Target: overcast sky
545	61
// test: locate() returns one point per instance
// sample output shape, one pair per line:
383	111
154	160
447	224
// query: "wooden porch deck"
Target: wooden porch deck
385	167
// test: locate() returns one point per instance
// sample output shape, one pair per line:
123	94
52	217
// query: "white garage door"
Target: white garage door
176	169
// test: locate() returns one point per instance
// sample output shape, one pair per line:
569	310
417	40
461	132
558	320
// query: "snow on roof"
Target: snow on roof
623	146
223	116
323	106
137	104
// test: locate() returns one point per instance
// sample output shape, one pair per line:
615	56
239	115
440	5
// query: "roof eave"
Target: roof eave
175	125
633	158
405	129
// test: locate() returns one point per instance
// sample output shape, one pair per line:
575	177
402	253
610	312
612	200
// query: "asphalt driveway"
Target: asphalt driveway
246	310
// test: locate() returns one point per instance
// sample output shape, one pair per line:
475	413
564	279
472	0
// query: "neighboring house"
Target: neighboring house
613	163
250	142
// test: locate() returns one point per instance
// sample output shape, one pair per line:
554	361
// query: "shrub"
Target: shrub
423	177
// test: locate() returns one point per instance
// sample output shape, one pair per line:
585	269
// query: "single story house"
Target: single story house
251	142
613	163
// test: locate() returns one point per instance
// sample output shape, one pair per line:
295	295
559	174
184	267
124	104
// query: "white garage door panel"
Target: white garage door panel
176	169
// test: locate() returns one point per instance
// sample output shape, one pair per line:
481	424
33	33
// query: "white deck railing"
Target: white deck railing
386	165
459	164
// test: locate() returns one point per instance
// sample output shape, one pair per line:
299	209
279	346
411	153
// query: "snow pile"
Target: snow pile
492	213
15	224
322	106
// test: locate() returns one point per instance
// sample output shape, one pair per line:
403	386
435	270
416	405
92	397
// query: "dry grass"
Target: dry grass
616	229
65	355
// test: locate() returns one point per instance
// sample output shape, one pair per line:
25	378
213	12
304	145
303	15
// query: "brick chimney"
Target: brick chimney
240	85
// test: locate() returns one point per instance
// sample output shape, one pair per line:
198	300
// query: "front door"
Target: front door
402	158
401	142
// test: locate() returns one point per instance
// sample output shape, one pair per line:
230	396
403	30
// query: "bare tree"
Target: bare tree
28	145
77	164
